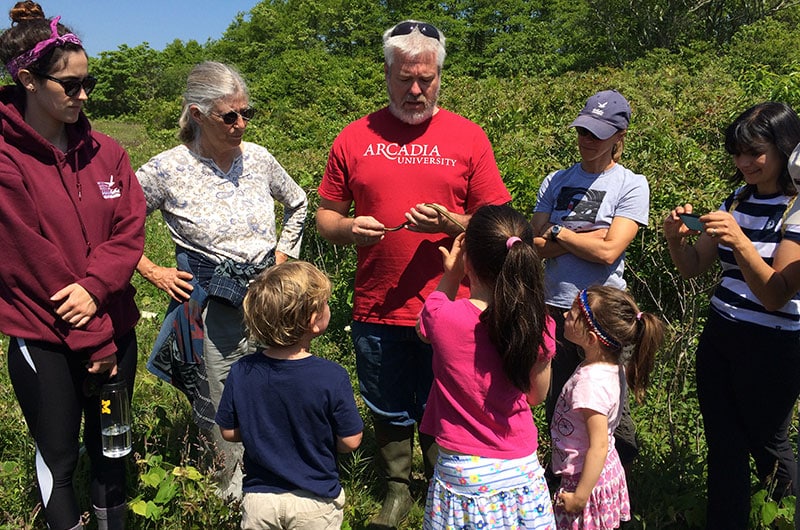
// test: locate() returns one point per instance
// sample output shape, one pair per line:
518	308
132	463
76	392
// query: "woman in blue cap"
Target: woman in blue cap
585	217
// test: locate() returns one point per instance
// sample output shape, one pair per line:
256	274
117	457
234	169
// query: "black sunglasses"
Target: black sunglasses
72	87
404	28
229	118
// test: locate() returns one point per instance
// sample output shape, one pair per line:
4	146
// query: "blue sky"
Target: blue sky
105	24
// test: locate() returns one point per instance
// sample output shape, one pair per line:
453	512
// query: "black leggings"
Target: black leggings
54	390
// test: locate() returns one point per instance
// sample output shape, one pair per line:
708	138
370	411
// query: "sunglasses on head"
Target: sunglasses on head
229	118
404	28
72	87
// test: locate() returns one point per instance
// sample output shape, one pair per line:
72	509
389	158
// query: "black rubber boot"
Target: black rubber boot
395	453
430	454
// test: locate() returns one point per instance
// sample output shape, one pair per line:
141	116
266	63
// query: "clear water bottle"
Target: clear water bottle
115	419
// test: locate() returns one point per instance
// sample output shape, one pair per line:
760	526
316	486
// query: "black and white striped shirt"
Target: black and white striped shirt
761	218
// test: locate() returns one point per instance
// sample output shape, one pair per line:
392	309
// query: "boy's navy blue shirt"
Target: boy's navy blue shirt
289	413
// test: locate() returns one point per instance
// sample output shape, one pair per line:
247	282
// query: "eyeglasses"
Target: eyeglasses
72	87
229	118
404	28
586	132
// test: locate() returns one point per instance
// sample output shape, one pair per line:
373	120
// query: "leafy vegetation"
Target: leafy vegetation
522	69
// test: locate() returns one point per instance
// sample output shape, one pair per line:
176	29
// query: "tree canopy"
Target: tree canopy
296	53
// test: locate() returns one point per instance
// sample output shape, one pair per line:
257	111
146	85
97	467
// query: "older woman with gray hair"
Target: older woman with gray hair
217	196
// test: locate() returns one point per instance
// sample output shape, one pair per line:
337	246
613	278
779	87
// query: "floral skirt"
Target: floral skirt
608	504
471	492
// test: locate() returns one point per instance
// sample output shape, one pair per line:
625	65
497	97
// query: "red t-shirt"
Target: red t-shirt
386	167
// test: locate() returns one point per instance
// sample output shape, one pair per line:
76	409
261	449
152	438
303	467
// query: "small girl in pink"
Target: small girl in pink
491	362
619	343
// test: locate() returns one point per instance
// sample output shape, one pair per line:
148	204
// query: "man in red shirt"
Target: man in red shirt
415	173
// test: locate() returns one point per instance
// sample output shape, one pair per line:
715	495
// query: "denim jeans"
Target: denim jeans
394	371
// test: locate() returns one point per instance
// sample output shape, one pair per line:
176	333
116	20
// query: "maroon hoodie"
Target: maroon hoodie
74	217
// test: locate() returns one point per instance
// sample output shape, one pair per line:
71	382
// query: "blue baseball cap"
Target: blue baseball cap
604	114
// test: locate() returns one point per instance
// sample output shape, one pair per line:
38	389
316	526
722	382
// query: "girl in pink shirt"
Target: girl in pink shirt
491	362
614	335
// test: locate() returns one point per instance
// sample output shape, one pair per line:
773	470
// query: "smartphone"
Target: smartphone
692	221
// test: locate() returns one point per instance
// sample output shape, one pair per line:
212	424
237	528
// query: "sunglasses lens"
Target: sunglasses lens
248	113
88	84
229	118
404	28
73	87
429	31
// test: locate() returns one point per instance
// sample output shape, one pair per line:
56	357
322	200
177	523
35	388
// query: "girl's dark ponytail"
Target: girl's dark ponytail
499	248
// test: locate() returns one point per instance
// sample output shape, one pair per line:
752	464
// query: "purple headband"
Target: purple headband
29	57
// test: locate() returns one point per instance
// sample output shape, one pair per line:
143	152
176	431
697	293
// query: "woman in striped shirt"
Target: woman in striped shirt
748	356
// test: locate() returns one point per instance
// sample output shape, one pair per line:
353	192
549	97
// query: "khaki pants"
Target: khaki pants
297	509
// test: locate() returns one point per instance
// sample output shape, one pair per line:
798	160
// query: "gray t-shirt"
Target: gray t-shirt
584	202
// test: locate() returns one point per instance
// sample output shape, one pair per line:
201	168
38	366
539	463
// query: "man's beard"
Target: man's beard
414	117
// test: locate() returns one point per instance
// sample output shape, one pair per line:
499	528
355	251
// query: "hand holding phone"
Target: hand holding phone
692	221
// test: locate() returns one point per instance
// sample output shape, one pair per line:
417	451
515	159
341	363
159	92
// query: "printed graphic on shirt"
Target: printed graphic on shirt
110	189
773	220
581	204
416	154
562	427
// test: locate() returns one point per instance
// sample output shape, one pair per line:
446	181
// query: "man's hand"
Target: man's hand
433	219
366	231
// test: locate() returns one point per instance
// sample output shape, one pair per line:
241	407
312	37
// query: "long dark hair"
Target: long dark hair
516	315
771	122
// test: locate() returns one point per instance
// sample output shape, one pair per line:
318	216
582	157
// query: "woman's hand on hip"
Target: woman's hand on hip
172	281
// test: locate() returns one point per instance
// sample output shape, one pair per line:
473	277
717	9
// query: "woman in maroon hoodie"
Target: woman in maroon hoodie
72	230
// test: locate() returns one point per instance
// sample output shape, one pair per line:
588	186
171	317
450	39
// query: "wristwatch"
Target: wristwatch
554	231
